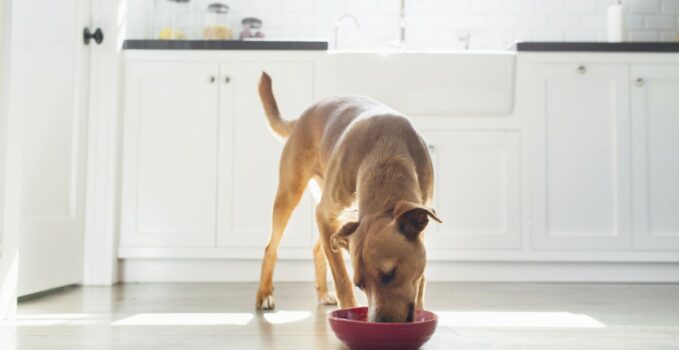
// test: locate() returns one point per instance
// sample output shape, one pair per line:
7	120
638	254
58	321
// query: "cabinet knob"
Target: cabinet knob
212	79
582	69
227	79
431	148
639	82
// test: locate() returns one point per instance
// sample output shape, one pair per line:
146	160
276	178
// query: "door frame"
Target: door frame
11	136
102	191
103	160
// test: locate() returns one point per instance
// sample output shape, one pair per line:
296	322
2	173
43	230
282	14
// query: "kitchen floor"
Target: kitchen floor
222	316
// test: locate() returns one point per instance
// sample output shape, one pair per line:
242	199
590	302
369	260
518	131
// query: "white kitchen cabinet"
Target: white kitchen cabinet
655	159
581	173
580	157
169	176
476	189
200	165
250	153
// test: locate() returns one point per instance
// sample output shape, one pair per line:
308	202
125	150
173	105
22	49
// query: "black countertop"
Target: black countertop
224	45
549	46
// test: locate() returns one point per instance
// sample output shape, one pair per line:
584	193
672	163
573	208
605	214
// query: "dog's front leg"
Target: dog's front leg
419	303
345	290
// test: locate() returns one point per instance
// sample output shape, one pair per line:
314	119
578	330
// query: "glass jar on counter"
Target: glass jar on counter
171	19
252	28
216	22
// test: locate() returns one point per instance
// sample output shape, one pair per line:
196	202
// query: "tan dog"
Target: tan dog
357	150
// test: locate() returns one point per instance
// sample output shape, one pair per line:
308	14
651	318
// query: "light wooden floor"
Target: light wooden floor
221	316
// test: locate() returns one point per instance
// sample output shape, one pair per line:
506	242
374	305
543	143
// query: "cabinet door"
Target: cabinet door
249	153
655	147
476	189
170	155
580	155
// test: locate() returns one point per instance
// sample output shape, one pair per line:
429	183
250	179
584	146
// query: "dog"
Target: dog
359	152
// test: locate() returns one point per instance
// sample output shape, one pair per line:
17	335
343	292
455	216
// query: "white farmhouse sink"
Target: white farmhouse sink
455	83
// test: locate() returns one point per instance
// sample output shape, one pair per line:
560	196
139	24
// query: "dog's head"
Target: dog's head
388	258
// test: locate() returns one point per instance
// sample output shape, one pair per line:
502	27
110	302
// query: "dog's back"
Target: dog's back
326	122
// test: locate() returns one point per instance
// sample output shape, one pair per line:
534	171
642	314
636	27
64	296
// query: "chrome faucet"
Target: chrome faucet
402	24
339	20
464	39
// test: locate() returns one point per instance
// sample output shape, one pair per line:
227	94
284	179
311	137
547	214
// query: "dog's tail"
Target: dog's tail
278	125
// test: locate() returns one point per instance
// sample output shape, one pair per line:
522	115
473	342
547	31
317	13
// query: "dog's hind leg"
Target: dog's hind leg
320	264
293	179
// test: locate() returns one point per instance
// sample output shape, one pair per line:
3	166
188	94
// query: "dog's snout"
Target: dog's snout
398	317
383	318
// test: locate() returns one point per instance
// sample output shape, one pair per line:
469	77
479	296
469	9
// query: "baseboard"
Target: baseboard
161	270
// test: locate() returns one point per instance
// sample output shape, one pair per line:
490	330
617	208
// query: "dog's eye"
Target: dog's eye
386	278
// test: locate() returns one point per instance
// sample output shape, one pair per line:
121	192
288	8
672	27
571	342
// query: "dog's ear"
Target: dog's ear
412	218
340	239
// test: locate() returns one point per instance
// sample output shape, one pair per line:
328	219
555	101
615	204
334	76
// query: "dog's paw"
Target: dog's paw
265	302
327	299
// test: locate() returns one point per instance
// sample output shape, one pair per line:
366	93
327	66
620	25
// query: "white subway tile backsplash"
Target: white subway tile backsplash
387	6
532	21
669	36
644	6
326	5
602	5
267	5
359	5
469	21
550	6
548	35
581	35
635	35
597	21
501	21
487	6
670	7
659	22
455	5
634	22
298	5
419	6
581	6
520	5
564	21
437	24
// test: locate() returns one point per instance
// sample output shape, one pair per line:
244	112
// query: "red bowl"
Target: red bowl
351	326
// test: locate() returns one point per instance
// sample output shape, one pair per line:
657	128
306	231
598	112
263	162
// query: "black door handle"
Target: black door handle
98	36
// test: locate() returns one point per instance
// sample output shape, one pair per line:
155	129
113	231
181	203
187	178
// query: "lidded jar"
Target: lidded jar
172	19
216	23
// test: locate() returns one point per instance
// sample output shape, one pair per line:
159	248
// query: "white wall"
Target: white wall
437	24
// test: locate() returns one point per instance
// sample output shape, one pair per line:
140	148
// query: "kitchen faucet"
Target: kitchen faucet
402	25
340	19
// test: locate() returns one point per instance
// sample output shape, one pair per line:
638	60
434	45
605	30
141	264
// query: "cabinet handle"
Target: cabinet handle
212	79
639	82
227	79
582	69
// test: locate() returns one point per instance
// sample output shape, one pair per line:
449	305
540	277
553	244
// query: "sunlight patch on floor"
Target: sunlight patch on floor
55	319
185	319
517	319
286	316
